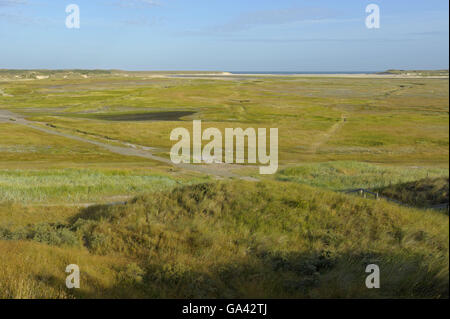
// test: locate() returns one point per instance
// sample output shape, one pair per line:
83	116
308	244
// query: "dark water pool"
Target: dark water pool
139	117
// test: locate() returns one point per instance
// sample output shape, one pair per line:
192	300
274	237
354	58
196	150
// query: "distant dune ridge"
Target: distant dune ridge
14	74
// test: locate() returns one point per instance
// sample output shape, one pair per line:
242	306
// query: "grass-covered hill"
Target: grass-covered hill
422	193
231	240
39	74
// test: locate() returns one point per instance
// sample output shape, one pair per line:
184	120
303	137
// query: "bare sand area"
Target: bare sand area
227	76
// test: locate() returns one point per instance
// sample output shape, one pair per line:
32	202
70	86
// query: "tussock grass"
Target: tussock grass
30	270
77	185
402	121
251	240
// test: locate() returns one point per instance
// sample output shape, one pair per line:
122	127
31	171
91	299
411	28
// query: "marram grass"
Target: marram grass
233	240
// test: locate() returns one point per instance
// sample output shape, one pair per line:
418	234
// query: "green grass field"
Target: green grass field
185	234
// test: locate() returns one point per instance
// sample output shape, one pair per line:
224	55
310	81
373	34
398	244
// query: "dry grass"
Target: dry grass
244	240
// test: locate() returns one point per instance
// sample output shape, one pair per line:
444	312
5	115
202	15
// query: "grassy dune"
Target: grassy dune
420	193
234	239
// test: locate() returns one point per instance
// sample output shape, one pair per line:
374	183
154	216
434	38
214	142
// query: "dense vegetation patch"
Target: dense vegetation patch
422	193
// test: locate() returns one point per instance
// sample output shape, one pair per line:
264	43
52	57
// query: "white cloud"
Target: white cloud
137	3
274	17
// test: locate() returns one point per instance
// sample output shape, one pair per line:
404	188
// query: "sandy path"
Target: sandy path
130	150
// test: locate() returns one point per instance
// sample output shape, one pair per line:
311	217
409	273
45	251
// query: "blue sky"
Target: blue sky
231	35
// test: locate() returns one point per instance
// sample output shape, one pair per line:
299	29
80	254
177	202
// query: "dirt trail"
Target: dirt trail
128	150
325	137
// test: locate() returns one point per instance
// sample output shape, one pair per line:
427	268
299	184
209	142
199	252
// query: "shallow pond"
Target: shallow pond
153	116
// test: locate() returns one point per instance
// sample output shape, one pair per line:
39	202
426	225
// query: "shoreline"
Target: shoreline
300	75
